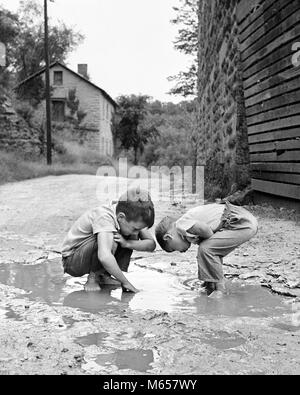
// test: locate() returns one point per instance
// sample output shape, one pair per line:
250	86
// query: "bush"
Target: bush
25	111
14	166
72	152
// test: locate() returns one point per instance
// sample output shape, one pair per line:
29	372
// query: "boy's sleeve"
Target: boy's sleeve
103	223
183	225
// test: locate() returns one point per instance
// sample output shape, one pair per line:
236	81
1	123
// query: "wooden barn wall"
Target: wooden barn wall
268	32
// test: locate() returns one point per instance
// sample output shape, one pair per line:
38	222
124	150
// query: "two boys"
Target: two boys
102	240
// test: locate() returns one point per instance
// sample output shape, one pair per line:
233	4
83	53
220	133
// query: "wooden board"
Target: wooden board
272	46
279	67
258	38
283	112
275	102
276	145
275	125
276	167
272	93
275	36
245	9
283	88
281	77
288	178
262	65
272	136
280	189
286	156
276	6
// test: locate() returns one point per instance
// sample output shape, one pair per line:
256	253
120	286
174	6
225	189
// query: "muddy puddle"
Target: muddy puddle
137	360
159	291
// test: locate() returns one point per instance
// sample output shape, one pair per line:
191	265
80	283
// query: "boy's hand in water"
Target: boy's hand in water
127	287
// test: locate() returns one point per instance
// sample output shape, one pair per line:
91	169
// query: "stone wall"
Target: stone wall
15	134
222	130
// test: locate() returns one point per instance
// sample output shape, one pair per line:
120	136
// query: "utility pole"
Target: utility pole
2	55
48	102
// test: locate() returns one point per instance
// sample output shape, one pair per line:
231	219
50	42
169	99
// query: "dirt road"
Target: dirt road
49	326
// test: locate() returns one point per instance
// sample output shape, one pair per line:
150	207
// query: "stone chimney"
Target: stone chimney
83	70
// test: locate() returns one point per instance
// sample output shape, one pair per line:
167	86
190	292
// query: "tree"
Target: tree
187	43
77	115
132	128
176	143
8	28
28	54
8	33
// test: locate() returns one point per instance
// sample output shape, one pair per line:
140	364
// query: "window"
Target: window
58	78
58	111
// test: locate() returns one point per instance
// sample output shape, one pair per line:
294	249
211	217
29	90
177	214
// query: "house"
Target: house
94	130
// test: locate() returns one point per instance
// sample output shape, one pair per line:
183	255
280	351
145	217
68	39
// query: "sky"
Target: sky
128	44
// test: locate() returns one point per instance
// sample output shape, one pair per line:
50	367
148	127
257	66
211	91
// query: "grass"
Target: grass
75	160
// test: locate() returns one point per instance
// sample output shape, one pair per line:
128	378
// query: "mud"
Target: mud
48	325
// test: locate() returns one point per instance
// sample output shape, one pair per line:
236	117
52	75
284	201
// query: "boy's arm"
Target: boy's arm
145	243
105	256
202	230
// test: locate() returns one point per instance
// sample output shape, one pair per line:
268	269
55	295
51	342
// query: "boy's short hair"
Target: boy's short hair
136	204
162	229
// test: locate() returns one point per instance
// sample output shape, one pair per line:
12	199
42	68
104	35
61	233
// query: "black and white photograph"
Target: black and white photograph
149	190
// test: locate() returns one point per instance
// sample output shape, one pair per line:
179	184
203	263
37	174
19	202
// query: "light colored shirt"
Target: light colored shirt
210	214
92	222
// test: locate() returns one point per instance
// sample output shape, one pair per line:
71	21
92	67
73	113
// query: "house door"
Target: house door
58	110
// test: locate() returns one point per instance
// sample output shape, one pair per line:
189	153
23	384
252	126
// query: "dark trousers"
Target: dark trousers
84	259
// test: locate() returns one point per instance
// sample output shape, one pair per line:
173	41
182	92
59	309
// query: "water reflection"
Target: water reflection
138	360
242	300
108	298
43	281
159	291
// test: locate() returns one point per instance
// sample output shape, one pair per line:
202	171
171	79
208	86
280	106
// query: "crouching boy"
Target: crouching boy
218	229
100	243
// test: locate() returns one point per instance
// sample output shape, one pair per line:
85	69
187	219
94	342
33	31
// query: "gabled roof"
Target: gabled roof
105	94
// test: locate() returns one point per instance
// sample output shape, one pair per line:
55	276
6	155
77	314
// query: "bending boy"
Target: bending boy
101	241
218	229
